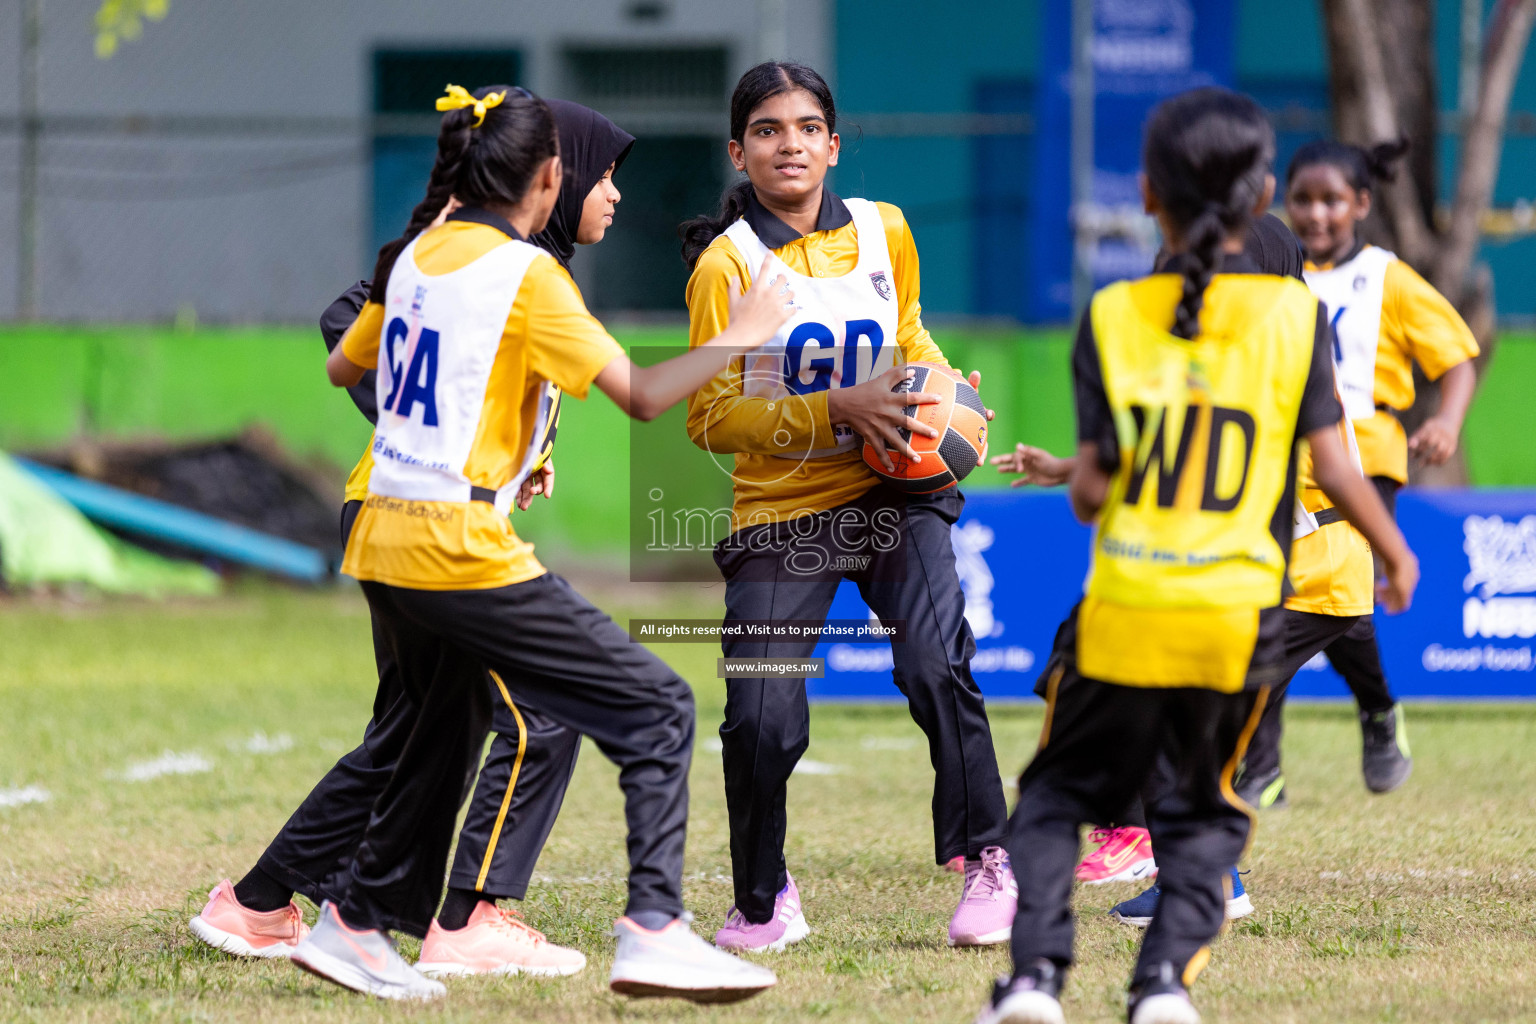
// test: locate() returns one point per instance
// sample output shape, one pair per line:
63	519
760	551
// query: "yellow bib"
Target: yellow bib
1185	555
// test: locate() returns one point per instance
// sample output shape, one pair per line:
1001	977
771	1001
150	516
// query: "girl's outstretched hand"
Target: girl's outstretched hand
878	413
1039	466
762	309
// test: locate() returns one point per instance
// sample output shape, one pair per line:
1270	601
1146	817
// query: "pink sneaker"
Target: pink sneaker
1124	855
785	928
225	924
988	903
495	941
956	864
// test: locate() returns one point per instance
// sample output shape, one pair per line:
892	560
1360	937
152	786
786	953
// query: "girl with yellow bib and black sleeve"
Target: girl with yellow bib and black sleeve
1193	387
1385	318
523	780
808	512
477	322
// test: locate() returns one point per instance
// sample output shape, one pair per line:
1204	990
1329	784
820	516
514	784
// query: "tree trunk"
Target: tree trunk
1382	80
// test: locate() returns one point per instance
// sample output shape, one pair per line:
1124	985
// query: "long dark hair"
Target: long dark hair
763	82
492	163
1206	154
1361	167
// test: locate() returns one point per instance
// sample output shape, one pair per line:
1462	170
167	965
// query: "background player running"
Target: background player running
1385	319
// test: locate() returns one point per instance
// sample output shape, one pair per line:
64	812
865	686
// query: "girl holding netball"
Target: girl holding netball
1385	318
1193	387
793	420
477	321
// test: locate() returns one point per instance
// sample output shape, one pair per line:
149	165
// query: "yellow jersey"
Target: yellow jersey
476	323
730	415
1385	318
1199	437
1331	570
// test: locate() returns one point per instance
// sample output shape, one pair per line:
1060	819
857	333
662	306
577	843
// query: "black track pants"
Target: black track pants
313	852
1355	655
1306	634
905	569
559	656
516	800
1098	747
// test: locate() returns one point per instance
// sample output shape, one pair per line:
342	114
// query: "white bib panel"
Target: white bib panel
441	337
1353	293
843	331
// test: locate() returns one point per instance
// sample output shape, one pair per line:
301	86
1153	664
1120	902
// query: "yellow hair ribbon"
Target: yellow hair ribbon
459	97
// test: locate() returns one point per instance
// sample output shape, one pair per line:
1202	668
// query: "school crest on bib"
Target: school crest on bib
882	283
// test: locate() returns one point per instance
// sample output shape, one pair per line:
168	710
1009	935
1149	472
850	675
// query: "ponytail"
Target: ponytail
698	232
1361	167
1202	256
1207	156
486	153
761	82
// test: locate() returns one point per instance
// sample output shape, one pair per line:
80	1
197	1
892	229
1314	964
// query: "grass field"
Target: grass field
1420	906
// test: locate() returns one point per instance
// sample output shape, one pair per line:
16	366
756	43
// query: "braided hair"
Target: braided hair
1362	167
1207	156
761	82
492	163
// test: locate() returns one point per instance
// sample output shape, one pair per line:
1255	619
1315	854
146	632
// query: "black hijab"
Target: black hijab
589	142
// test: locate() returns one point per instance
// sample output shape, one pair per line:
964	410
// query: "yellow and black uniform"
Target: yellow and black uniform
725	417
1181	629
475	324
1386	318
856	284
524	776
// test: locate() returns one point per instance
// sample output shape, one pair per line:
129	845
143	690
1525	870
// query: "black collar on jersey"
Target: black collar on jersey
775	234
1268	244
480	215
1231	263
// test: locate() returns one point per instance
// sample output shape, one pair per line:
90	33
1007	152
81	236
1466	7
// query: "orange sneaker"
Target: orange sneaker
225	924
495	941
1125	855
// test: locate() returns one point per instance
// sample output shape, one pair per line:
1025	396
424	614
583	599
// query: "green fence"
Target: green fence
57	384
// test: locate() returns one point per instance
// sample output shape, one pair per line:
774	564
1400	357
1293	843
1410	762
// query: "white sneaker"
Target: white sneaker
675	962
361	959
1029	998
1166	1008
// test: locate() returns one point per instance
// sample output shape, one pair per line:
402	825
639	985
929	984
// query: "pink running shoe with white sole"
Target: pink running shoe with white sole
225	924
784	929
495	941
1124	855
988	902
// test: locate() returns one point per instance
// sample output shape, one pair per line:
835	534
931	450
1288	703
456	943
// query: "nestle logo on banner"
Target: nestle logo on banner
1502	560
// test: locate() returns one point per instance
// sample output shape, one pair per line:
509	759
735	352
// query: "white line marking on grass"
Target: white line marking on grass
809	767
260	743
712	744
890	743
168	763
23	796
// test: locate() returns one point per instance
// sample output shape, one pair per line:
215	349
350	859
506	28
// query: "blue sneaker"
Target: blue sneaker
1138	910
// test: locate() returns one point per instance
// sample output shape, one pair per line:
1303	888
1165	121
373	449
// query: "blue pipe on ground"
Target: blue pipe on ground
161	520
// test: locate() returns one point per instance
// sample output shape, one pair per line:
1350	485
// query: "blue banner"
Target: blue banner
1022	559
1143	52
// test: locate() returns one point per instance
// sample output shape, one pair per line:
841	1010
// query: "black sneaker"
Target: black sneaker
1161	999
1029	997
1385	759
1262	791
